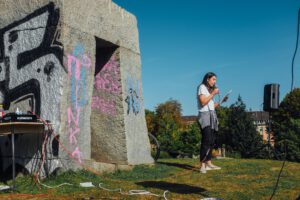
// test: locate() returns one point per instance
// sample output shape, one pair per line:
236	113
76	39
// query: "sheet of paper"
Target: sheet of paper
226	95
87	184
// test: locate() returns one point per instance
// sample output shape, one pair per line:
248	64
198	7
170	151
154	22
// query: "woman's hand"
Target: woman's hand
204	100
224	99
215	91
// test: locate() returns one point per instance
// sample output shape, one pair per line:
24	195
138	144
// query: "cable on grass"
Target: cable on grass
135	192
63	147
130	192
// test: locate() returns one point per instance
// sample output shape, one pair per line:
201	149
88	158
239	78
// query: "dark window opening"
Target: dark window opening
104	51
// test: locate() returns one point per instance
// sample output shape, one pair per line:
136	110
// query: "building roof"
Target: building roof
260	115
189	118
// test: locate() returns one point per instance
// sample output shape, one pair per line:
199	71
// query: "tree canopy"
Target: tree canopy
173	135
286	125
237	130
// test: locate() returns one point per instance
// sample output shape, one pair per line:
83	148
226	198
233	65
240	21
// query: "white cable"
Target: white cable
110	190
51	187
141	192
134	192
165	192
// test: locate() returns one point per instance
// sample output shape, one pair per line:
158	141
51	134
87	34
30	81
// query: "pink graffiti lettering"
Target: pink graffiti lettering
78	63
71	116
86	61
72	120
71	60
106	83
108	79
77	154
72	135
112	65
104	106
77	79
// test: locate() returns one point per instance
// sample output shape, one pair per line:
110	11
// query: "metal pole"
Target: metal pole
13	155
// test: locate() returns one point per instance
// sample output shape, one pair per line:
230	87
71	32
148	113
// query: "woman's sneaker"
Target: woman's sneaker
212	167
203	170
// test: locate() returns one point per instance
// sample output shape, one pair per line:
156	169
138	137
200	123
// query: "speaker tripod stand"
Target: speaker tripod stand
270	146
271	103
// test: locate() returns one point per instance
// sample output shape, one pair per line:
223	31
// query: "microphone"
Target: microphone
215	87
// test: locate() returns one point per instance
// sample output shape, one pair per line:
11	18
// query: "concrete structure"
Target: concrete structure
77	64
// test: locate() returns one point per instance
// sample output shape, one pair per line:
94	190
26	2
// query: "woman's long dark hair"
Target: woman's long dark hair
205	78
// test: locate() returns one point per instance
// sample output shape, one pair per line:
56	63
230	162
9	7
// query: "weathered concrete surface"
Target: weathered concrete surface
76	64
103	19
134	108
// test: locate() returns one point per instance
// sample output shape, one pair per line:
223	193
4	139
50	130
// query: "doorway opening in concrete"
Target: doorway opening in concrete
107	135
55	146
104	51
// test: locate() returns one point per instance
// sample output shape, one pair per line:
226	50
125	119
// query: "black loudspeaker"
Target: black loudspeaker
271	97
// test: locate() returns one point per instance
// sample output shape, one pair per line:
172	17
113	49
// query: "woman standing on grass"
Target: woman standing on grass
207	119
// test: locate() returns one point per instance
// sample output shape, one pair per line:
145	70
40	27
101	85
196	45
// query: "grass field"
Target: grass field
238	179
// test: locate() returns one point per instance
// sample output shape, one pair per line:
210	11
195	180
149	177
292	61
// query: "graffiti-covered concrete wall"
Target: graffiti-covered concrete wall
76	64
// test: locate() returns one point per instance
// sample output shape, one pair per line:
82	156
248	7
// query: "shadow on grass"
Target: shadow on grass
183	166
173	187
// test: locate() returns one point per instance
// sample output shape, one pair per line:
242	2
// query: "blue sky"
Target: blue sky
247	43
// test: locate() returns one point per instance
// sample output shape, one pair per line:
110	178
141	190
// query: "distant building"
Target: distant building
188	120
261	121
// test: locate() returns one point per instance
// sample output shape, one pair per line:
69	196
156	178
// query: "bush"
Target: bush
188	142
182	143
164	154
233	154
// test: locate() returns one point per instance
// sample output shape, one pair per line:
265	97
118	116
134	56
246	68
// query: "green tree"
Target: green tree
241	134
286	125
168	124
223	113
188	141
150	120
